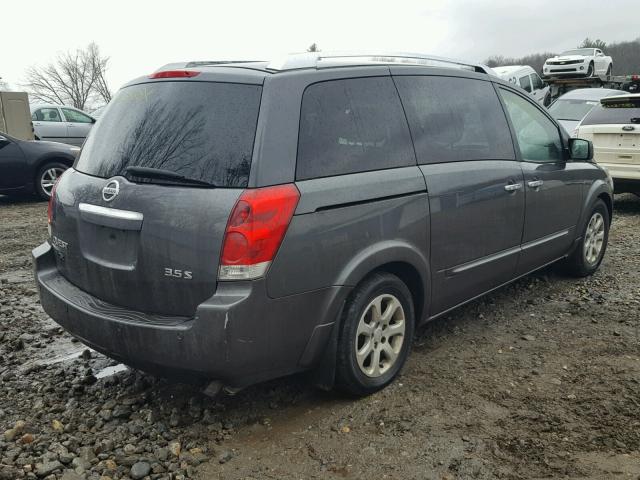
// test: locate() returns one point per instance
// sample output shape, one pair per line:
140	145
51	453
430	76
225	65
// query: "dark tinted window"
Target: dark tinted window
201	130
455	119
616	112
350	126
538	137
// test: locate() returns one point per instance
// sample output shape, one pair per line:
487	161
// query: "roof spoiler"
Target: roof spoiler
202	63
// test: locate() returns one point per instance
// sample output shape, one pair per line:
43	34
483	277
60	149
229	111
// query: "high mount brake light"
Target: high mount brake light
256	227
175	74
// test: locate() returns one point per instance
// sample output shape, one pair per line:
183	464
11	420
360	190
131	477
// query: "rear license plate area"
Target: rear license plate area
108	246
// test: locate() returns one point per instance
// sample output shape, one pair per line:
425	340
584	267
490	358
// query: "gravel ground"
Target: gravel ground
538	380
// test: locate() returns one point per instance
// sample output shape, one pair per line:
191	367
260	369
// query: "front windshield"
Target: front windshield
571	109
587	52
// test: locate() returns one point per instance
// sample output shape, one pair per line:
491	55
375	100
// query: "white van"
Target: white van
526	77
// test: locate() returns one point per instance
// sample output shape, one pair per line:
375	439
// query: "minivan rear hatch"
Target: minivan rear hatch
139	222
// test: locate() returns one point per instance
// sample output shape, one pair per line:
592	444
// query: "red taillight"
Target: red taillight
52	201
255	229
175	74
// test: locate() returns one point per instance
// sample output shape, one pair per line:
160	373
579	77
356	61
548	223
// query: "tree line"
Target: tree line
626	56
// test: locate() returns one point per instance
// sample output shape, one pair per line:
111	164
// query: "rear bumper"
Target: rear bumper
239	336
626	177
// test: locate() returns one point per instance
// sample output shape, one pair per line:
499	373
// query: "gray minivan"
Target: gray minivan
237	222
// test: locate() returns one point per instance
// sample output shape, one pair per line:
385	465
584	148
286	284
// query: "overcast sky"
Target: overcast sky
141	35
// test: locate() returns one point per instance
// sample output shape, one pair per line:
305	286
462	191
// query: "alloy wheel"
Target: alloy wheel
49	177
594	238
380	335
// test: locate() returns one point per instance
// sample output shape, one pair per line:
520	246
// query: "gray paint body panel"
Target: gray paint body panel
453	224
472	217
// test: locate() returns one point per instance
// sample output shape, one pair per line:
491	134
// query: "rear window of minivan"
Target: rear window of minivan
614	111
202	130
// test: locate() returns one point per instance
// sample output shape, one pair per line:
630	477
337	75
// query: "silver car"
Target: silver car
58	123
572	107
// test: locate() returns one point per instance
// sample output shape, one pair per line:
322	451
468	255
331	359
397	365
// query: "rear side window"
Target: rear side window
352	125
455	119
614	112
75	116
202	130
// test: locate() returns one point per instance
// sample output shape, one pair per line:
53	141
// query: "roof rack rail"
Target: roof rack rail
203	63
325	60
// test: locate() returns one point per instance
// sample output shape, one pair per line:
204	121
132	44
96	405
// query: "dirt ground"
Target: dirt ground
538	380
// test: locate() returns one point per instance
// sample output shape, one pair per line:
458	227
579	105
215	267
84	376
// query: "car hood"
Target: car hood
39	146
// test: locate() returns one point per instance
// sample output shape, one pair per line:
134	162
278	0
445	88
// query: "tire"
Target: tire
362	325
610	70
584	260
590	70
46	178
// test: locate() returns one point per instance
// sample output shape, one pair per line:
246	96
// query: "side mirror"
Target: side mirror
580	150
93	120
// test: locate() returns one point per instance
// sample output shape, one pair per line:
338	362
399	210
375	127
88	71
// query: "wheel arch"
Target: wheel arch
51	158
599	190
44	160
608	201
399	258
412	279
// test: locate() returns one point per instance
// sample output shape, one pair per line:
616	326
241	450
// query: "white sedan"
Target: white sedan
581	61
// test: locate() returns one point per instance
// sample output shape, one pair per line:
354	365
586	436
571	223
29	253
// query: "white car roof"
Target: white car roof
52	105
512	69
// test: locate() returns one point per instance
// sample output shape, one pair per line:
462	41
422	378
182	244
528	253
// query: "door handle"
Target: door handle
512	187
535	183
69	124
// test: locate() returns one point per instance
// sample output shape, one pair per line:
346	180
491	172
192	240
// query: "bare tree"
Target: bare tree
75	77
99	68
588	43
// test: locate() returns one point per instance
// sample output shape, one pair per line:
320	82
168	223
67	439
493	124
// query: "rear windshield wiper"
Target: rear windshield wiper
161	174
